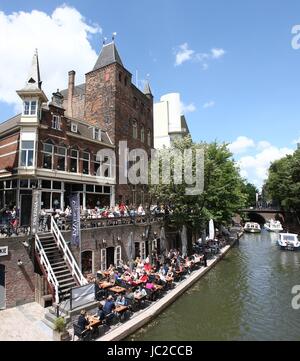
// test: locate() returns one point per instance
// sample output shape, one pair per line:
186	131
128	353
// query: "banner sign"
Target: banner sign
75	207
35	210
4	251
83	295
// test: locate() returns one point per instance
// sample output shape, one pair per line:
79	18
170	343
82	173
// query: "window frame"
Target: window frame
49	153
134	129
27	150
77	158
56	124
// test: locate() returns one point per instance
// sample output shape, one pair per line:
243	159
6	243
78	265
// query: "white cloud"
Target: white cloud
263	145
217	53
183	54
62	39
187	108
255	167
241	145
209	104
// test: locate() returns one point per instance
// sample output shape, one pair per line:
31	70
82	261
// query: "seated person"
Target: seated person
121	301
109	305
83	321
144	277
147	266
150	286
100	312
170	273
140	292
129	294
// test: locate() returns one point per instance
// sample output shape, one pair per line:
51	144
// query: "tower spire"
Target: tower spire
33	85
34	78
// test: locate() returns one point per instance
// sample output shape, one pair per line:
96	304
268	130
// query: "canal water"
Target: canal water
246	296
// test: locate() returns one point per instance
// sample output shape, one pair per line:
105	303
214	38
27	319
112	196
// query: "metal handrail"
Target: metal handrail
45	262
68	257
111	221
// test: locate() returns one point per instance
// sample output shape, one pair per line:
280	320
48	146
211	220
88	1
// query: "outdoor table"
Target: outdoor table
158	287
117	289
93	322
121	308
105	284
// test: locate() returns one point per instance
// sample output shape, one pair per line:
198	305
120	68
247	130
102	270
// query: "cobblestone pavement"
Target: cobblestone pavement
24	323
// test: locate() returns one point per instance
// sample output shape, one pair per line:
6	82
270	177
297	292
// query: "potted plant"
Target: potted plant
60	332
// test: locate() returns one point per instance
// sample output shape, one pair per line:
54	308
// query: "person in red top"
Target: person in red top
147	267
122	208
144	277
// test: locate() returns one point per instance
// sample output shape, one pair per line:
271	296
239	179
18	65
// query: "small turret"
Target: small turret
32	93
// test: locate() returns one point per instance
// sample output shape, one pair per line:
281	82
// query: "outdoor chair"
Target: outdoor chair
82	335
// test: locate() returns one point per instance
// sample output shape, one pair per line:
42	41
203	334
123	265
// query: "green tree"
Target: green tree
250	191
222	195
283	183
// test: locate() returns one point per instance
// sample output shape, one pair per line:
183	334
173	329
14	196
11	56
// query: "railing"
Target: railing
66	224
68	257
46	264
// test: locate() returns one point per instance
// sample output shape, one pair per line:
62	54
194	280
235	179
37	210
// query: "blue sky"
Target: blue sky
250	90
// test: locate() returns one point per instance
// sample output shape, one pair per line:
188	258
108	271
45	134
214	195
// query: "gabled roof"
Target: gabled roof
109	55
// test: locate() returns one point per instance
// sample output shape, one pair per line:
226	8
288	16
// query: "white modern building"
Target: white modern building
169	122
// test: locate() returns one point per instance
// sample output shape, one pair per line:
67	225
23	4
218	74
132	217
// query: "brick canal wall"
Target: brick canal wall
19	280
94	239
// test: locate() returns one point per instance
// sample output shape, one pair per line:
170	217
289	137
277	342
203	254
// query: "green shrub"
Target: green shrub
60	324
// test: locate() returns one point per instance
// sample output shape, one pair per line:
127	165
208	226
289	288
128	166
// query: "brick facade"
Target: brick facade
19	280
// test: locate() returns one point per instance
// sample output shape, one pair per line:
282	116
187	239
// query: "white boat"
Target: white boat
288	241
273	226
252	227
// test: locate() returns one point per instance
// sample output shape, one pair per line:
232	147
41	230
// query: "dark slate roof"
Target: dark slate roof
78	90
10	123
86	130
109	55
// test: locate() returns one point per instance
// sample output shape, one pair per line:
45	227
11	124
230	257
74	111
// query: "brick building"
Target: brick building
110	101
53	146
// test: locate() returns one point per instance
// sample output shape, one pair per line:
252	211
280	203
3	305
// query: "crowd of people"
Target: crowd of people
141	282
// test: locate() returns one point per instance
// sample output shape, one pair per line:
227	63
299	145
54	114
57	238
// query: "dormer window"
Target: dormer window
56	122
97	134
74	127
30	107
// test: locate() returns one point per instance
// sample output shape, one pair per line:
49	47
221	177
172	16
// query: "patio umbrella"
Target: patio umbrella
162	240
211	229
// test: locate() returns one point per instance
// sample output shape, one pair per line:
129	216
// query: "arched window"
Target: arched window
134	129
142	134
149	137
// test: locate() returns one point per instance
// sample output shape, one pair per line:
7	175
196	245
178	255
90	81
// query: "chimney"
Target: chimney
71	85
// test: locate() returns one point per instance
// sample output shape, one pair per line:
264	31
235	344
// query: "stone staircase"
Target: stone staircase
59	265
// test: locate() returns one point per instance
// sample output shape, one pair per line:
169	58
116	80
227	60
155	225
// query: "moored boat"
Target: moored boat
273	226
289	241
252	227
